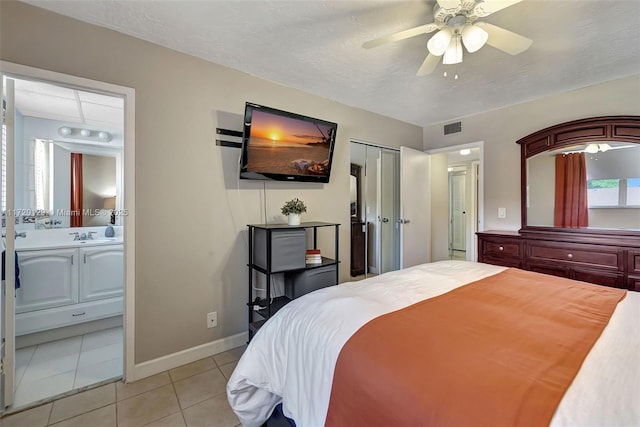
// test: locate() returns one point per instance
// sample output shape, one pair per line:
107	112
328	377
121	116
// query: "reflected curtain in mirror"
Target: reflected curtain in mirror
571	209
76	190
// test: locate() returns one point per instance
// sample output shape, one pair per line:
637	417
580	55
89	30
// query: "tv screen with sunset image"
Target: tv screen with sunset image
285	146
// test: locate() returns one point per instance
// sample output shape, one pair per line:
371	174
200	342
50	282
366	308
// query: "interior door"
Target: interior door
381	205
389	204
457	220
7	200
415	205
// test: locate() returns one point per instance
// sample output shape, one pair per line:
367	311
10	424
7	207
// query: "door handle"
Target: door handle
385	219
403	221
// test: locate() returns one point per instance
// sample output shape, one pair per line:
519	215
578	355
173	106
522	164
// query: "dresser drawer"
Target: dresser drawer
551	269
634	283
633	264
602	278
610	258
496	245
502	261
502	248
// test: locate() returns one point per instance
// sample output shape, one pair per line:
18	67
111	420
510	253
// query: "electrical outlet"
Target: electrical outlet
212	319
502	212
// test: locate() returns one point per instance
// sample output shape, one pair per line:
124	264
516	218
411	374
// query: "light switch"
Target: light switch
502	212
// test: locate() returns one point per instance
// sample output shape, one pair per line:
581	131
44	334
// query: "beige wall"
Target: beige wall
439	207
500	129
191	211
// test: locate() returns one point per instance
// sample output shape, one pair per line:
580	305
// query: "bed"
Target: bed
292	359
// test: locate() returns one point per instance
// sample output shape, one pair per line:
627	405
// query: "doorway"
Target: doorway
457	212
69	334
375	227
458	207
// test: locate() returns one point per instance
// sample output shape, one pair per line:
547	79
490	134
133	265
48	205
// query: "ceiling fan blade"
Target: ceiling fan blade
487	7
412	32
505	40
429	64
449	4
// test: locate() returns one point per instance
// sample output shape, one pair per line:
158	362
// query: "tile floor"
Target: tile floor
57	367
192	395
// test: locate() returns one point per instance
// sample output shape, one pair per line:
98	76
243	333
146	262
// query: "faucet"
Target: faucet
16	234
83	236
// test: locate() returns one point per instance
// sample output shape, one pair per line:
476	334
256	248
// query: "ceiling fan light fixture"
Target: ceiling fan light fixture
437	45
453	54
591	148
474	37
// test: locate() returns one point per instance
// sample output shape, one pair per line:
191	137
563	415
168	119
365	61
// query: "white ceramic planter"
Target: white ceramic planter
294	219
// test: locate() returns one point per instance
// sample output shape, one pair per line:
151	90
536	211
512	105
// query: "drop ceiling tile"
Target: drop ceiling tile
44	89
42	105
101	113
96	98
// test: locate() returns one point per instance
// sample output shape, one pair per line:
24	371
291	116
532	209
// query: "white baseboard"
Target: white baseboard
170	361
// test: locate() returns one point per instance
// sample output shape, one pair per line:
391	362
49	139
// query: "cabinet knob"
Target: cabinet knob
569	255
501	248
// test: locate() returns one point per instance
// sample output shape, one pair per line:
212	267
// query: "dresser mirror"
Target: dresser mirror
610	147
613	185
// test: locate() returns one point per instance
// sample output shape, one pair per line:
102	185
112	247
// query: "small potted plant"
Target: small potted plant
292	209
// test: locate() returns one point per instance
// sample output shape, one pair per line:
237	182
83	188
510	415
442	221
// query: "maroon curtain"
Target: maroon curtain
571	191
76	190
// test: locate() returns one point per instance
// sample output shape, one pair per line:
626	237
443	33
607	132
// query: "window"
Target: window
41	175
613	193
633	192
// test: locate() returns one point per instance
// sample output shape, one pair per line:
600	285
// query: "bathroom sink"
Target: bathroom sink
52	244
95	241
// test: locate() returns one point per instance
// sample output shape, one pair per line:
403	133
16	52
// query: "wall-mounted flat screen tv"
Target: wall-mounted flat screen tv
283	146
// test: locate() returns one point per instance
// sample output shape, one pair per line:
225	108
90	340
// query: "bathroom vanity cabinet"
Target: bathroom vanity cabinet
49	278
280	249
66	286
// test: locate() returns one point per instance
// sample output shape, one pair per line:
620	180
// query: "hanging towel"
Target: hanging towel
17	269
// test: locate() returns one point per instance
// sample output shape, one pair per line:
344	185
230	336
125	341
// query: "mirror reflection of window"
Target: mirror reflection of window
39	188
633	192
603	192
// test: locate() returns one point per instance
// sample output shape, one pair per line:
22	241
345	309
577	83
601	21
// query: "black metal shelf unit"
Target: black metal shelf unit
265	257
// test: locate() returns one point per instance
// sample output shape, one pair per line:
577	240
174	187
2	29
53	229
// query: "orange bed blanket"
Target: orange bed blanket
500	351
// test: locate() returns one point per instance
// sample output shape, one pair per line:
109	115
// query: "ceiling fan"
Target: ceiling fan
457	23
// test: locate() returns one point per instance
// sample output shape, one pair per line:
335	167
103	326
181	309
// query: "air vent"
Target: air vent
453	128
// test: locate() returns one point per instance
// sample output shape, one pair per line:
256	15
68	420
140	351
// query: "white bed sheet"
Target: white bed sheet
292	357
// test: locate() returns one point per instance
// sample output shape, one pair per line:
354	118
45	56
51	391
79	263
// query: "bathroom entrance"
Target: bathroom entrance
64	226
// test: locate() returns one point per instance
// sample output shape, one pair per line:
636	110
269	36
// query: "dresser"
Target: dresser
607	250
580	256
